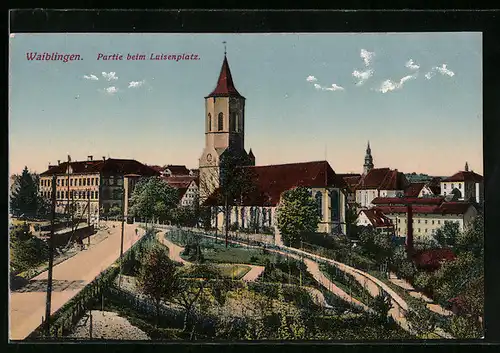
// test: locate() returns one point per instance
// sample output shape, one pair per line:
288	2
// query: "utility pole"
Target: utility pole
88	214
121	242
67	184
51	257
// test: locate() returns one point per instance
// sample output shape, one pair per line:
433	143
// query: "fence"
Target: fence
64	319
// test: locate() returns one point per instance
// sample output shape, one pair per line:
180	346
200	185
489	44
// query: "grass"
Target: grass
235	255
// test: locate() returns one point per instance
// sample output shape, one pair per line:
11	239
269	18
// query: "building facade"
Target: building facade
91	188
429	214
465	185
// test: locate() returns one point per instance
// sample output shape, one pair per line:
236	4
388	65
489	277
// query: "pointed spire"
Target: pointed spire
466	166
368	149
225	85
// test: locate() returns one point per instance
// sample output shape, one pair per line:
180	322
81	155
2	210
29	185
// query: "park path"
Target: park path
176	250
405	285
313	268
69	277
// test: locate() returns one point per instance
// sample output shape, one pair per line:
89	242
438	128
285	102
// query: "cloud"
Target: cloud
411	65
311	79
133	84
110	76
91	77
367	56
333	87
389	85
362	76
430	75
111	90
443	70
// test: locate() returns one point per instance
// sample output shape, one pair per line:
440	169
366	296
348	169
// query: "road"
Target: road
27	307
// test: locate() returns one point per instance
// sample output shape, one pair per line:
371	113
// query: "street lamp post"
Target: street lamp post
51	258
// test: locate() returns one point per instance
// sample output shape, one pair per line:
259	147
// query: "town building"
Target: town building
431	188
257	209
376	219
93	186
465	185
224	141
351	179
429	214
380	182
187	187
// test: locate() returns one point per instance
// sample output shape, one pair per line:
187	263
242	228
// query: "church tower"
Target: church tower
224	130
368	160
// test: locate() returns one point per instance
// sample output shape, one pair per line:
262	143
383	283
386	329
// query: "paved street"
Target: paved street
28	307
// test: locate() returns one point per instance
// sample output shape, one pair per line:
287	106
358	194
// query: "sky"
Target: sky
417	97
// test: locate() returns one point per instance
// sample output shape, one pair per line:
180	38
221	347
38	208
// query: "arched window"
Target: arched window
264	213
236	215
220	122
269	217
209	122
319	202
334	199
236	122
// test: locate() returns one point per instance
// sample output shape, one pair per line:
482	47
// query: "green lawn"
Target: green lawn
224	270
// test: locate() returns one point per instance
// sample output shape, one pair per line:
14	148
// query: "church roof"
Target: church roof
225	85
271	181
383	179
465	176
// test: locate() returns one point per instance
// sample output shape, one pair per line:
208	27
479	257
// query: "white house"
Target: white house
380	182
466	185
376	219
429	214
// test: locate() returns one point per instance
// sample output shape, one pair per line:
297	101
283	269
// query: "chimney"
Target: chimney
409	230
89	158
58	161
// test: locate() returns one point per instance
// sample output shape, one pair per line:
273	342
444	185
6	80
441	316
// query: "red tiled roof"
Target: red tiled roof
414	189
351	179
108	166
383	179
455	207
179	181
272	180
180	170
377	218
181	192
433	258
465	176
225	85
407	199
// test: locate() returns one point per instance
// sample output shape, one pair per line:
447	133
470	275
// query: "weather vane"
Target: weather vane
224	42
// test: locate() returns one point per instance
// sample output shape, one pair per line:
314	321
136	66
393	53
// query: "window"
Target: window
209	128
92	182
80	194
80	182
460	185
58	195
425	221
88	181
66	193
419	221
97	181
236	122
445	193
399	220
432	221
220	122
269	216
439	222
444	186
84	181
426	230
419	230
97	194
58	182
452	186
71	182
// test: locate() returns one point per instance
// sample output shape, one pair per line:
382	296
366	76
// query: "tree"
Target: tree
235	184
472	239
421	320
297	214
157	277
26	251
448	234
187	294
351	220
153	198
115	211
26	199
381	305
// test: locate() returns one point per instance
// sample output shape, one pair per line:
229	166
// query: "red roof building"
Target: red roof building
465	176
104	166
225	85
375	218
